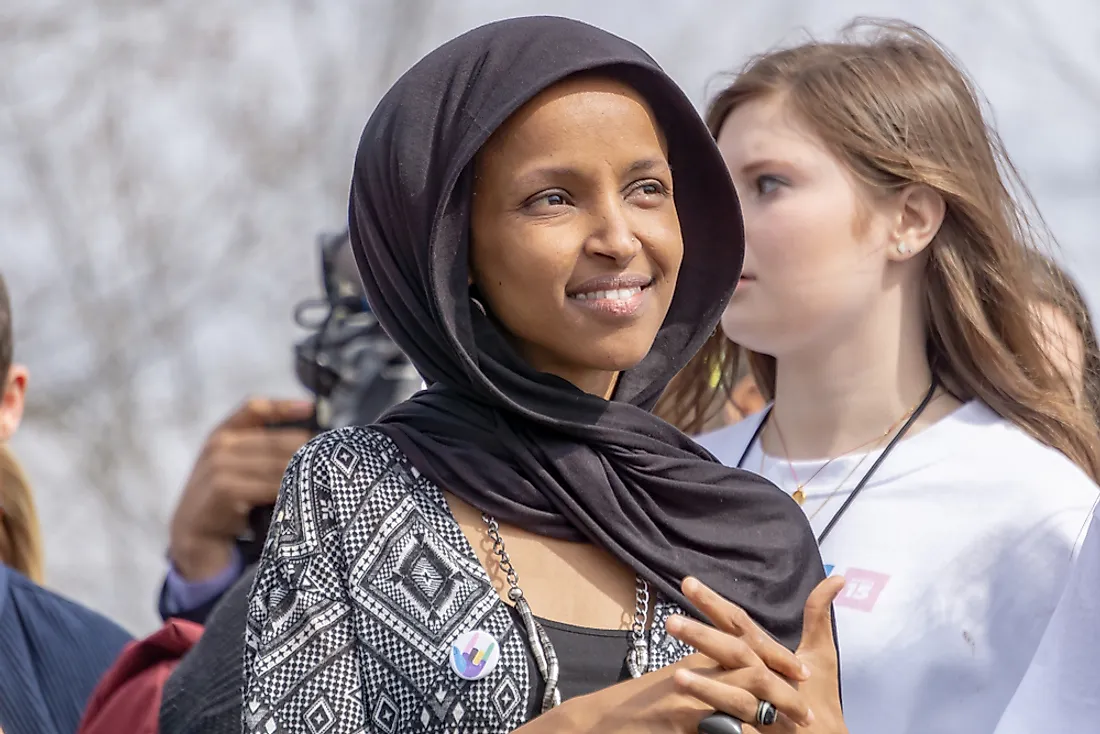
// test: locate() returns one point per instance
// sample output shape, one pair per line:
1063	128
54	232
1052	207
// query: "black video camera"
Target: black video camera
354	370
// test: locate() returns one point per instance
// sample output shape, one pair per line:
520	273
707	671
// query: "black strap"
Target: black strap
755	438
870	472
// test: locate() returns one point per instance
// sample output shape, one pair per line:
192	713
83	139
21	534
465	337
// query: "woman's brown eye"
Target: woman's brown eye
549	200
649	189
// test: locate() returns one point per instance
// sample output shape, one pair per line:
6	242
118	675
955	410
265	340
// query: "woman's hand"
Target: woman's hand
738	664
817	651
652	704
801	685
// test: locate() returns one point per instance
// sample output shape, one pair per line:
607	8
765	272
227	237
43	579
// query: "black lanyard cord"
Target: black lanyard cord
870	472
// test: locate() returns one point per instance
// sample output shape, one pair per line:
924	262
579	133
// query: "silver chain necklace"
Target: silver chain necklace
546	658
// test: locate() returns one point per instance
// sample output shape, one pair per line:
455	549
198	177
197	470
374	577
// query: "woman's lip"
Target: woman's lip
610	283
614	306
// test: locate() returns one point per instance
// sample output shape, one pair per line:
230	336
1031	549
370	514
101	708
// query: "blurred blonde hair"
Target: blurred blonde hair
896	110
20	534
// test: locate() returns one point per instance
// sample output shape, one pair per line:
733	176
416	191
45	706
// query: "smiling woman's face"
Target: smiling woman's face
575	243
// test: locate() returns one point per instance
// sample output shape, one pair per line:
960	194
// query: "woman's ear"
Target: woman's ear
921	210
11	401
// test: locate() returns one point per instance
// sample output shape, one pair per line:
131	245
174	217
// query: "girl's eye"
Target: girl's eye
554	200
766	184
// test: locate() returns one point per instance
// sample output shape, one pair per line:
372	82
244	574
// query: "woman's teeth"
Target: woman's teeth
622	294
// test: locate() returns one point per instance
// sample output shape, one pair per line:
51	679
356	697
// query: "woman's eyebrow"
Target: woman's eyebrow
648	165
544	174
763	164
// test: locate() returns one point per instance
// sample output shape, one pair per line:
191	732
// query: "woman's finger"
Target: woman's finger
739	692
732	619
817	620
727	650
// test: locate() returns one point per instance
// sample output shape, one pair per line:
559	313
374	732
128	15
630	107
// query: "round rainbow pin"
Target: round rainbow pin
474	654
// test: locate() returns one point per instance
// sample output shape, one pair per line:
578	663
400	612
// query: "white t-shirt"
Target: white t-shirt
1061	690
955	553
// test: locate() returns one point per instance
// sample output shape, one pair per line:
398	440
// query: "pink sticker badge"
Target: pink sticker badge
862	589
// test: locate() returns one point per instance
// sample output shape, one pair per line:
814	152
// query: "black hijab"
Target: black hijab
527	447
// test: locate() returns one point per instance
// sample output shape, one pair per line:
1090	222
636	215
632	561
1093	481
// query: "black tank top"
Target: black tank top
588	659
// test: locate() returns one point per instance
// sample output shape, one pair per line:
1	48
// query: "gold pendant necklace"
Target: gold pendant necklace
799	495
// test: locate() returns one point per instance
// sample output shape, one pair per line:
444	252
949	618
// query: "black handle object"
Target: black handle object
720	724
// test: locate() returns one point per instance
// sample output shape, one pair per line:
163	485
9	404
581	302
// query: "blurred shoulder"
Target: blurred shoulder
67	619
729	442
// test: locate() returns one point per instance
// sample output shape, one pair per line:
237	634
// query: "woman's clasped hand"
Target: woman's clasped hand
737	666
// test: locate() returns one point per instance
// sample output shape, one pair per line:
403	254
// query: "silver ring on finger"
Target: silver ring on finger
766	713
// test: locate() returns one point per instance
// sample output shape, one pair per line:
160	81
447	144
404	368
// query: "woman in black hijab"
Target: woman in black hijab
514	221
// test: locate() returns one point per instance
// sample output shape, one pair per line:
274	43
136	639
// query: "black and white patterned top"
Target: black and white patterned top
365	581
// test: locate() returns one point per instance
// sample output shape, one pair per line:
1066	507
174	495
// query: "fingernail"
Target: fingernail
805	671
685	678
674	624
809	717
691	585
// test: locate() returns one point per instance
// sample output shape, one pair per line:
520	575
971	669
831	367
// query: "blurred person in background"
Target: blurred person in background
705	396
20	534
186	677
745	400
354	372
52	650
238	470
887	305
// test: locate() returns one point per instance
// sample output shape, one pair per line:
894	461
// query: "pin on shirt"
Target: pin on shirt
474	654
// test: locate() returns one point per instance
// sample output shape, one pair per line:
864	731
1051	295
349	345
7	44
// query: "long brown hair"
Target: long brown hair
20	535
1058	290
896	110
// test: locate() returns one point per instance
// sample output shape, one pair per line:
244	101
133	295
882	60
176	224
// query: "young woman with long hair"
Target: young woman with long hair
885	306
